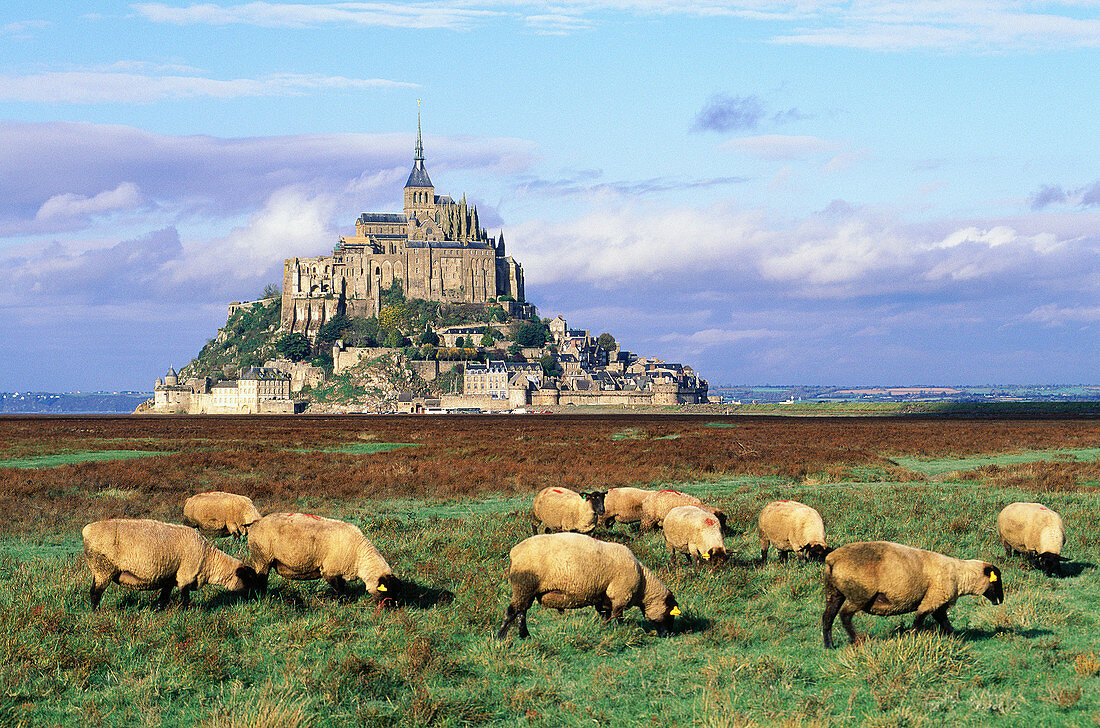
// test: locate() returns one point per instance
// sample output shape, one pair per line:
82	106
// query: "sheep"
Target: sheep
1035	530
884	578
623	505
791	526
571	570
145	554
560	509
692	531
302	546
220	514
657	504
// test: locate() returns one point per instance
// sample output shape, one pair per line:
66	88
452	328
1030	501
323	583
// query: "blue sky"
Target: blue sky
812	192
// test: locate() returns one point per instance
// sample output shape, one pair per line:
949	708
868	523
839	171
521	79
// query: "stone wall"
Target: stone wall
301	373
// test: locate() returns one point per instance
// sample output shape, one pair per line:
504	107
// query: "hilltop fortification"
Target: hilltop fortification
435	249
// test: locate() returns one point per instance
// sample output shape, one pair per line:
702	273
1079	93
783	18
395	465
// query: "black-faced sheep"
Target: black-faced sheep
220	514
791	526
694	532
302	546
1034	530
145	554
561	509
571	570
884	578
657	505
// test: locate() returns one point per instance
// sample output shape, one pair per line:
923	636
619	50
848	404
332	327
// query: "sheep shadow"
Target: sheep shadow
410	594
972	634
142	600
691	624
1075	568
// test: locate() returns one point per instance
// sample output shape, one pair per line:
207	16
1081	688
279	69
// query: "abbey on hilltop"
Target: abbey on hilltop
435	249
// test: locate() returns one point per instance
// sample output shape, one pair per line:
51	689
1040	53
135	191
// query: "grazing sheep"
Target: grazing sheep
884	578
302	546
220	514
657	505
623	505
792	526
561	509
145	554
694	532
571	570
1034	530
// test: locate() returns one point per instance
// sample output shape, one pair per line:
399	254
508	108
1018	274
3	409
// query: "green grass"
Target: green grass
747	650
941	466
72	458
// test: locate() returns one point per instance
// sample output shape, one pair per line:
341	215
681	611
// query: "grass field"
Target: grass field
747	650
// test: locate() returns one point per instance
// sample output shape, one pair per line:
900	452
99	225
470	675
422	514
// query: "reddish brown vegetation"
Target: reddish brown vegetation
467	455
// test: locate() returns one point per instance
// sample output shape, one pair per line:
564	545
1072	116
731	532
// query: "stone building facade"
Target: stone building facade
259	390
435	248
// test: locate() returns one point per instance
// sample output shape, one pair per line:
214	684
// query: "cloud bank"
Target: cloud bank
877	25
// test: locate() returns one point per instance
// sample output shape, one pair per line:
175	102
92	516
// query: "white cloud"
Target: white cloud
1053	314
291	223
456	16
778	147
98	86
101	167
124	197
876	25
718	337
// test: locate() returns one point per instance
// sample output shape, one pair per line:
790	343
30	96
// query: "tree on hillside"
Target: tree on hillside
333	329
429	337
293	346
487	337
394	339
532	335
606	341
550	366
271	290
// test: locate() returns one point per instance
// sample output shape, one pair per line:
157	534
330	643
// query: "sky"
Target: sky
815	192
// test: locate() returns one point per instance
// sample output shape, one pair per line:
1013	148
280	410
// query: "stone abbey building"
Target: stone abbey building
435	249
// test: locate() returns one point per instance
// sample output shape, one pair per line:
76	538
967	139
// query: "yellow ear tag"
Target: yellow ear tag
705	556
382	587
675	612
992	578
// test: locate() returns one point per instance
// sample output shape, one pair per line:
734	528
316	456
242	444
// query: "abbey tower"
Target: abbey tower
436	249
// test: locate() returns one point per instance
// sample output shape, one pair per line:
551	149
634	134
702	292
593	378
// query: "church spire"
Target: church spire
419	176
419	142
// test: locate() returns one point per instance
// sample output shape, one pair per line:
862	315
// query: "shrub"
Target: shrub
293	346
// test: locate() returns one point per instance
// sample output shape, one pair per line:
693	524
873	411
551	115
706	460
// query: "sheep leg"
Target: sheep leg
338	584
96	592
185	595
940	615
833	601
509	617
165	594
846	613
783	556
521	629
763	553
